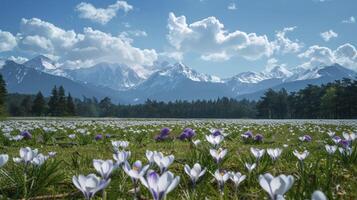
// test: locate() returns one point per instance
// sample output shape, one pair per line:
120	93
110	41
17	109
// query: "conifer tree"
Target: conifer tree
3	93
61	106
39	105
53	102
71	110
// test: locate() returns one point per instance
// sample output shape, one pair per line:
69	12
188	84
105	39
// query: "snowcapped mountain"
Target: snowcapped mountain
178	82
45	64
114	76
22	79
315	76
179	70
166	82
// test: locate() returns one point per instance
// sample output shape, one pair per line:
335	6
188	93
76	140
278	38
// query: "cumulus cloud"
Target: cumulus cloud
345	55
328	35
7	41
350	20
222	56
209	38
87	48
101	15
283	44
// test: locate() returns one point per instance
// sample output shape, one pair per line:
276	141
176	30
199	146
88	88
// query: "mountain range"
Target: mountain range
165	82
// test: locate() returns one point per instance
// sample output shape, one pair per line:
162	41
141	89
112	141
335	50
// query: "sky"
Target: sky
217	37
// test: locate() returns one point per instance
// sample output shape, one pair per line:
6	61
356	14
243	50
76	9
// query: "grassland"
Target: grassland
335	175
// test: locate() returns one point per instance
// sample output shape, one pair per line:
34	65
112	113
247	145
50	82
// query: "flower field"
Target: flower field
177	159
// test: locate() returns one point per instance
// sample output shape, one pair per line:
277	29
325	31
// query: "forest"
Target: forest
330	101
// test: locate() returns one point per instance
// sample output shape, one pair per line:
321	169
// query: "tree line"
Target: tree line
28	105
333	100
329	101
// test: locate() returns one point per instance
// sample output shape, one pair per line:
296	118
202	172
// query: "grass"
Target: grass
335	176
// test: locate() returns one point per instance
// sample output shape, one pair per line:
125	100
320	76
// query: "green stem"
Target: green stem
25	181
104	195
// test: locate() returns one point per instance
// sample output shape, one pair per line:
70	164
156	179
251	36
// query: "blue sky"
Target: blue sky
220	37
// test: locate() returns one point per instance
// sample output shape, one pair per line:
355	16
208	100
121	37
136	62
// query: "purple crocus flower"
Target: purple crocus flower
336	139
26	134
164	134
216	132
108	136
247	135
258	137
188	133
98	137
307	138
344	143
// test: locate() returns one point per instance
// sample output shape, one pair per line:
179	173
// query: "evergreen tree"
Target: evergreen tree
39	105
53	102
61	106
3	93
26	106
71	110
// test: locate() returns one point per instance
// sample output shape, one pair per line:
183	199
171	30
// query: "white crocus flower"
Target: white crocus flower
331	149
195	173
26	155
221	176
331	133
89	185
39	159
121	157
250	167
318	195
274	153
3	159
237	178
163	162
120	144
196	142
219	154
345	151
349	137
136	171
150	156
257	153
160	186
215	140
104	167
276	186
301	156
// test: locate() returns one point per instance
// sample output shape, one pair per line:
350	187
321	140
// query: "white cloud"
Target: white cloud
127	35
209	38
350	20
345	55
283	44
174	55
81	49
101	15
328	35
7	41
232	6
222	56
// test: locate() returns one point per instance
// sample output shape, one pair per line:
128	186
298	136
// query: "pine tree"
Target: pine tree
71	110
53	102
3	93
61	107
26	106
39	105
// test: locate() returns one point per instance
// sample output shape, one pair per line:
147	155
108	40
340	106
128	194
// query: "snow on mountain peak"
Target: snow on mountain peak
279	72
180	69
